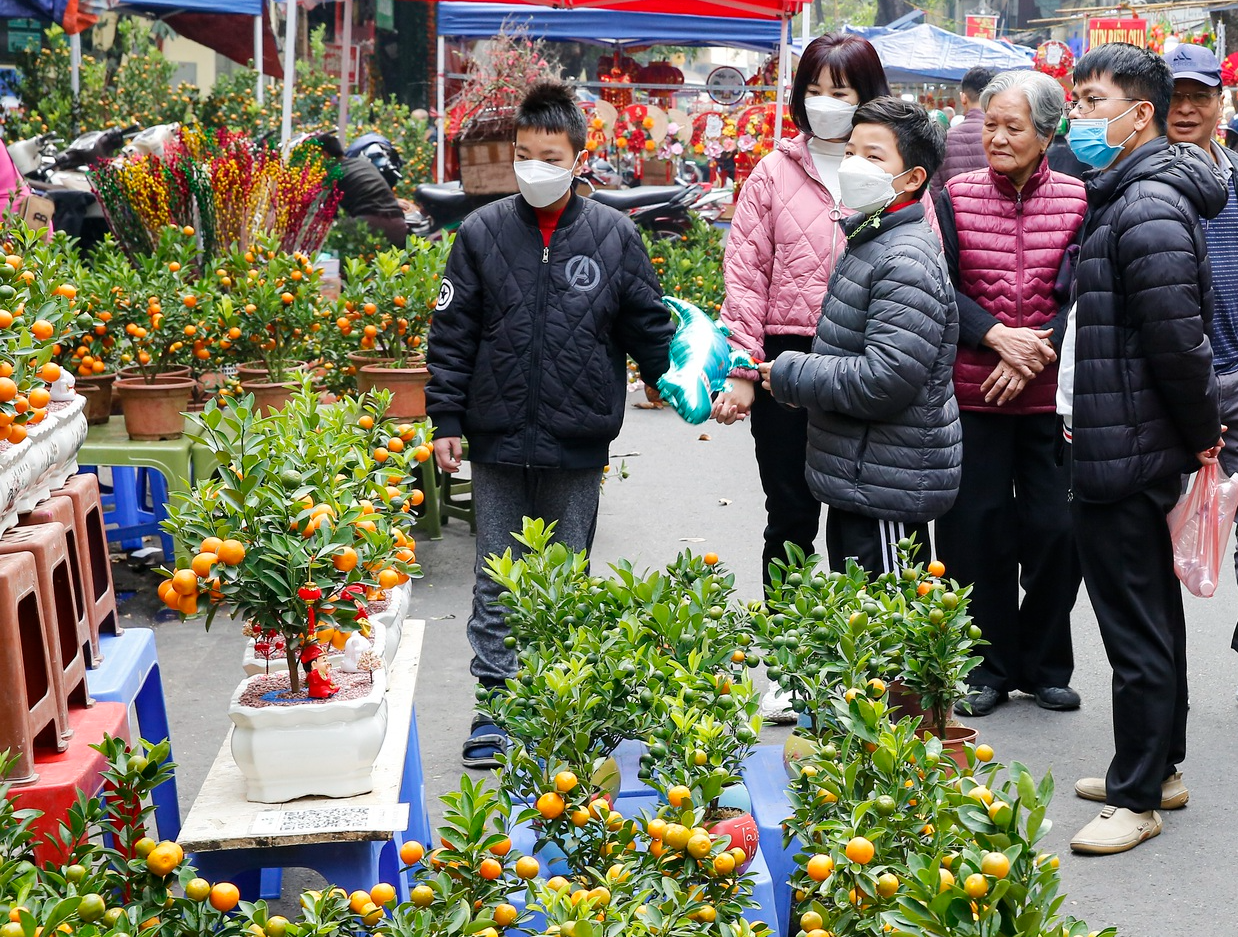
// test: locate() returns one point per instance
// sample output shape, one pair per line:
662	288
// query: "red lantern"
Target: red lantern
660	73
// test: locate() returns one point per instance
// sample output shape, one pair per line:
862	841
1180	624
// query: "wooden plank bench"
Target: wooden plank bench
352	842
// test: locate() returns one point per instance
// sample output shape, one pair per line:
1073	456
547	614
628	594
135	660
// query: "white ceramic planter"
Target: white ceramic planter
15	473
52	456
388	625
324	748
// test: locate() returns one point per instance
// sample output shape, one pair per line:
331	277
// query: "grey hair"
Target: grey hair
1045	97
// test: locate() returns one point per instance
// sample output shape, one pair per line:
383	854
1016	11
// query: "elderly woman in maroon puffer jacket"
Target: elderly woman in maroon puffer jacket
1007	232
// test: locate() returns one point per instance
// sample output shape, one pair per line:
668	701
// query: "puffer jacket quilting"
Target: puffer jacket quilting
782	247
884	438
528	347
1010	251
1145	395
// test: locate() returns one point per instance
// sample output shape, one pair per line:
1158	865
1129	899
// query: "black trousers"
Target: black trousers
1011	525
1129	570
781	437
871	542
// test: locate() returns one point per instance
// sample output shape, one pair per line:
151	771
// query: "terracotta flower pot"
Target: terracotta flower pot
407	386
256	371
155	410
363	358
269	397
952	744
98	392
133	371
743	832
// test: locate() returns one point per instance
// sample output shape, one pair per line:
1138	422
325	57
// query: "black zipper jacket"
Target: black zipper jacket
528	345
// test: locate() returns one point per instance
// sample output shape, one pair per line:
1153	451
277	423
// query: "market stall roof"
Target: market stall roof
928	53
743	9
607	27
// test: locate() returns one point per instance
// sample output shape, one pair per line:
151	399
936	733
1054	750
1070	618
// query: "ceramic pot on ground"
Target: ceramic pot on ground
15	473
607	777
98	393
324	748
133	371
155	410
258	372
407	386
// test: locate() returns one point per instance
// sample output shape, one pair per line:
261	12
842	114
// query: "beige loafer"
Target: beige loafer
1174	795
1116	830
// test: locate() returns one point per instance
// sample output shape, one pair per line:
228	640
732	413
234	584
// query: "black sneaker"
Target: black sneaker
1059	698
982	700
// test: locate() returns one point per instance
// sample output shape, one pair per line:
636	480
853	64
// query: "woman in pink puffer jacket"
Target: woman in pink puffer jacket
784	241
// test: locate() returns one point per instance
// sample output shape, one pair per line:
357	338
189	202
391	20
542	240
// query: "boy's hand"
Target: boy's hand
763	369
735	403
447	452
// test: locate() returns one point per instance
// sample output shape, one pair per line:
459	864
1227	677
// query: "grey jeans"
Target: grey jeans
502	497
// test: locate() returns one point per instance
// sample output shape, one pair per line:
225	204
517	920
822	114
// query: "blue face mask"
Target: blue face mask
1089	140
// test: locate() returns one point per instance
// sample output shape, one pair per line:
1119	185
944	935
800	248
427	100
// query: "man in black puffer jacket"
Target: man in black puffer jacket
884	441
544	297
1139	398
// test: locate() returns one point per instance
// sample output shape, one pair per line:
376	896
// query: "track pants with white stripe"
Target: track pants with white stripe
870	540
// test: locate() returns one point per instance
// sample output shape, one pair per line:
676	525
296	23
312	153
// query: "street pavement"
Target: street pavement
697	488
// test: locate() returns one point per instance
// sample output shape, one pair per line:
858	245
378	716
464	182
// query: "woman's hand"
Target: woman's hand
1003	385
1025	350
763	369
734	404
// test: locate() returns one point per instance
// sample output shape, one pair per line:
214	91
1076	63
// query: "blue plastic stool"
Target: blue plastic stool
132	515
766	779
259	871
129	674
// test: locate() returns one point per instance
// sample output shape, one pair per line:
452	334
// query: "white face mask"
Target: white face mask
866	187
541	183
829	118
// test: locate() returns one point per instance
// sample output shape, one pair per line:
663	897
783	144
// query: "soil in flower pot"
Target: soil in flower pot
98	392
275	690
407	386
269	397
155	410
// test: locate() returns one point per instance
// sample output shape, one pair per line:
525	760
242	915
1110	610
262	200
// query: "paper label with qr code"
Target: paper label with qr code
306	820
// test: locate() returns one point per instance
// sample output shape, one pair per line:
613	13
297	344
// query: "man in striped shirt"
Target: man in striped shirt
1193	118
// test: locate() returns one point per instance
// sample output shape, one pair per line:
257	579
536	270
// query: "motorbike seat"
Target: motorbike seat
640	197
440	197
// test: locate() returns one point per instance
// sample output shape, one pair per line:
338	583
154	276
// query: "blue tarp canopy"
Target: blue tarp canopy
164	7
607	27
926	53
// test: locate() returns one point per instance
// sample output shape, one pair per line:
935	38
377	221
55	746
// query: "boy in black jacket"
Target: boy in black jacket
884	441
544	297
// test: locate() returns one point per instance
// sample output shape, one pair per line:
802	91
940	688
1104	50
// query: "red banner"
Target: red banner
1134	31
981	26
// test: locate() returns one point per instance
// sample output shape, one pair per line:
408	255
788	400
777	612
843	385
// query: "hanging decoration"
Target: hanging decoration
1229	70
660	73
1054	59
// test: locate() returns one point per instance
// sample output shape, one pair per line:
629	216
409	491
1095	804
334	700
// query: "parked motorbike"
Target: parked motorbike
382	153
60	176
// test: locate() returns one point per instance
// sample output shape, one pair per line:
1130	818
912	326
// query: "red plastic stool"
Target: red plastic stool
29	710
59	510
100	595
50	550
62	776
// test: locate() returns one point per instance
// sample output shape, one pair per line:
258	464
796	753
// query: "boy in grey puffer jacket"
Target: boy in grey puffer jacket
884	442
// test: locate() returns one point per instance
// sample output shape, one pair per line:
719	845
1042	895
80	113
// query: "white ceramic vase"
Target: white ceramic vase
324	748
15	473
52	456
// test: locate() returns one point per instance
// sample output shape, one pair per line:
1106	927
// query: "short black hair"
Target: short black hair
921	139
976	80
330	144
852	61
1139	73
550	106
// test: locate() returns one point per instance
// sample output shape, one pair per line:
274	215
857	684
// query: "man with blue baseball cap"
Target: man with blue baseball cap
1193	118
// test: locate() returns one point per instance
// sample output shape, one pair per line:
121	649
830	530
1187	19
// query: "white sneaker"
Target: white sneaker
1116	830
776	706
